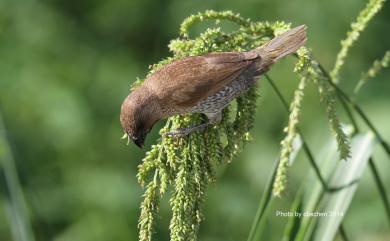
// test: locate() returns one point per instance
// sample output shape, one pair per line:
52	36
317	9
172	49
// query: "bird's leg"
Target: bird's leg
181	132
214	118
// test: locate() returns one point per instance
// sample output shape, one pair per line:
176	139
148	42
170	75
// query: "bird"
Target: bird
203	84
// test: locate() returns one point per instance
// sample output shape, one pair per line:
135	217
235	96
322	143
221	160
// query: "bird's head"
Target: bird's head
139	113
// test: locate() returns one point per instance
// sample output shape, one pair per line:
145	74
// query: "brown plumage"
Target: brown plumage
201	84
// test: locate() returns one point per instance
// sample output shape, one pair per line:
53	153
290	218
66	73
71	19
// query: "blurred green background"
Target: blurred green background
66	66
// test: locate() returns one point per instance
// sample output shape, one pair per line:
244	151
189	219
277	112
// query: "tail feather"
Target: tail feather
285	44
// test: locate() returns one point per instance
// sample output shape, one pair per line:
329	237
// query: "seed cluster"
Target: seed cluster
185	166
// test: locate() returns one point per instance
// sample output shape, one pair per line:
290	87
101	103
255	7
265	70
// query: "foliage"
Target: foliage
376	67
364	17
188	164
65	68
334	197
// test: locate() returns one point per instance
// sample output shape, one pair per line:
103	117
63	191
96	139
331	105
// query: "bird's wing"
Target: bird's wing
185	82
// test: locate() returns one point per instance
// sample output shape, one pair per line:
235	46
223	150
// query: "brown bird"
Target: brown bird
201	84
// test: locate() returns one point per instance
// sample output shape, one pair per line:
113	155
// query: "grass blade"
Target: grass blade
347	175
267	199
308	201
13	197
381	187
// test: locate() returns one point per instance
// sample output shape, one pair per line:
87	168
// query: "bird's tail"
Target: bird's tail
285	44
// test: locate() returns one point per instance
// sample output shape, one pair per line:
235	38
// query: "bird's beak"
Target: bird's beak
138	141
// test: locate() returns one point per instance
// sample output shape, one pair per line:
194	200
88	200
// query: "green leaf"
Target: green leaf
344	182
267	198
14	201
297	228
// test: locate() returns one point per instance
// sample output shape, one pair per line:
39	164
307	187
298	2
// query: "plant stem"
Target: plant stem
263	205
305	146
343	234
14	200
343	97
381	187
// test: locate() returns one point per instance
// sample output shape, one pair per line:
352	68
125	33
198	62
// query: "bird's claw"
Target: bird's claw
182	132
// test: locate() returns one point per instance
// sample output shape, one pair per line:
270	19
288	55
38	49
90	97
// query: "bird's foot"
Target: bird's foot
181	132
